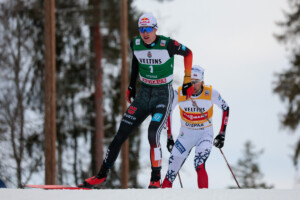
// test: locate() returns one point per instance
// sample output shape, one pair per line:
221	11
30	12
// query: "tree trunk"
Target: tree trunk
60	159
50	93
75	147
124	83
98	156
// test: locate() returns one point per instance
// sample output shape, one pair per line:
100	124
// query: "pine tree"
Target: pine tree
75	83
20	140
287	85
247	170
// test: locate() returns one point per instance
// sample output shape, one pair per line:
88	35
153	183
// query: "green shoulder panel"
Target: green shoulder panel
161	44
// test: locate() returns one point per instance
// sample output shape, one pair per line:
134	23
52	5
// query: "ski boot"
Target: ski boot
96	182
166	183
155	180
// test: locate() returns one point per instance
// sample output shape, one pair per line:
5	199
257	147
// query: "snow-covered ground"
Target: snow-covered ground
144	194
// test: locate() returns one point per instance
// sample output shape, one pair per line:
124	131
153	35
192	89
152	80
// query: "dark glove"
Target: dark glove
170	144
130	93
219	140
187	90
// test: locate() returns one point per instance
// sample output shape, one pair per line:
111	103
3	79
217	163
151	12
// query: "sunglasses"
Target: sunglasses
195	82
147	29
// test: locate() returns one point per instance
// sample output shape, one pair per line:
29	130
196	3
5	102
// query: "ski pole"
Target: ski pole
230	168
170	135
195	104
180	180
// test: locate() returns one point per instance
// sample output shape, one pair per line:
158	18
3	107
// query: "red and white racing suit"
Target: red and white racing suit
196	131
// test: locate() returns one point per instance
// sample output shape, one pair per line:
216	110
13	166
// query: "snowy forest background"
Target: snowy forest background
22	90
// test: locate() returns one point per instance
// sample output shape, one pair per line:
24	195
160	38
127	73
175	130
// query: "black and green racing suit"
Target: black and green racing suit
154	64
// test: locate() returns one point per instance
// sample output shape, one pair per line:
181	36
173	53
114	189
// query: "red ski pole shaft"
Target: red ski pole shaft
180	180
230	168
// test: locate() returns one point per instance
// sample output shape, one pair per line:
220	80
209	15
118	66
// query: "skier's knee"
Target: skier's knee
201	157
152	138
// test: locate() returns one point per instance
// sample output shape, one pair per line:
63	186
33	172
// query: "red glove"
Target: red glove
187	90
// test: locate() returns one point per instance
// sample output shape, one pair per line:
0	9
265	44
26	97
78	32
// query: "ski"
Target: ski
57	187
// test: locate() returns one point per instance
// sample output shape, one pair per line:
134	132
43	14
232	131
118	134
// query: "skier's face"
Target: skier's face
148	38
197	85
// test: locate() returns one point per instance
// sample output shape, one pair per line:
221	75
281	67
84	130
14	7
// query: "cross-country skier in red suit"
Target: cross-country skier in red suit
153	63
196	130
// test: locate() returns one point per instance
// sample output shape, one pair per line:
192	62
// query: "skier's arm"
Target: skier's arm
221	103
134	68
224	120
175	47
134	73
